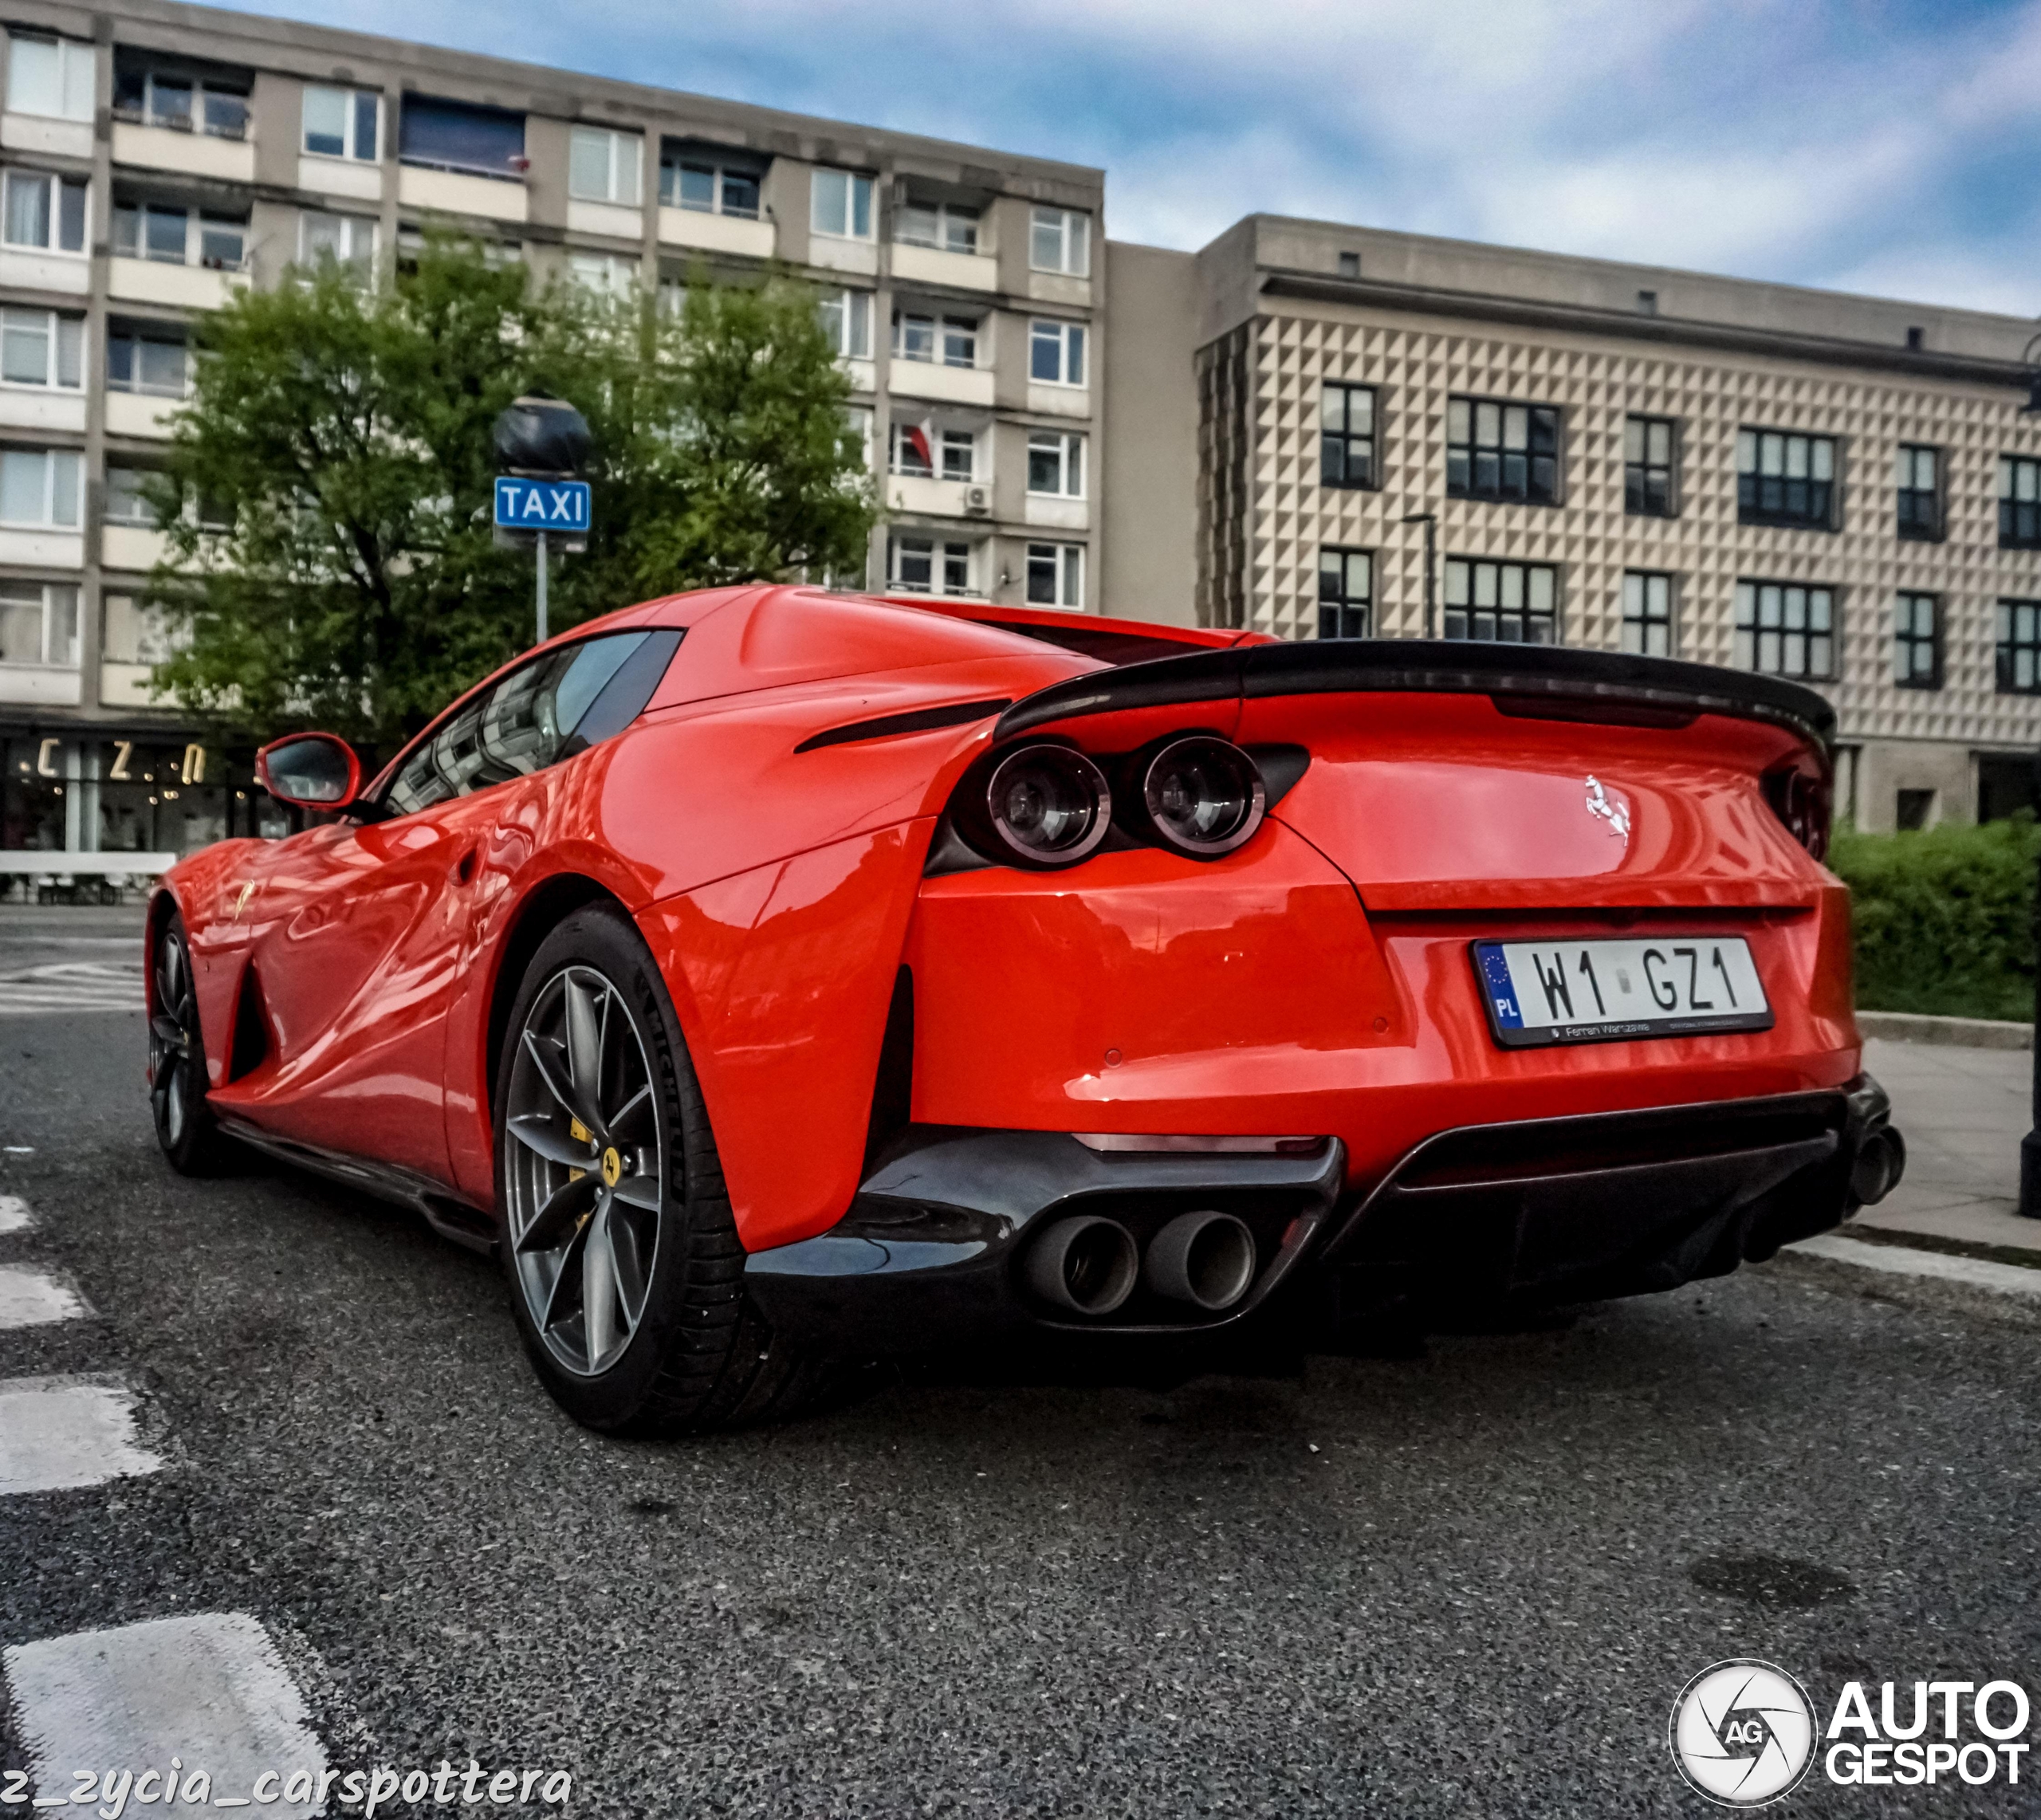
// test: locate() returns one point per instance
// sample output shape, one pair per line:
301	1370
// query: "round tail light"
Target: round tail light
1201	795
1048	805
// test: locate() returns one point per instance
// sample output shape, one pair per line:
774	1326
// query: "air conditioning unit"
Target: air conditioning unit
978	500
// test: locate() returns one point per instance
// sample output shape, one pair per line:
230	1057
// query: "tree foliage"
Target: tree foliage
341	430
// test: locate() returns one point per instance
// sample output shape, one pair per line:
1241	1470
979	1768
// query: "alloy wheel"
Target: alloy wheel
584	1169
173	1042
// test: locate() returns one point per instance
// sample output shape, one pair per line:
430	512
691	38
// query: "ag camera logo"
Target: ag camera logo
1743	1733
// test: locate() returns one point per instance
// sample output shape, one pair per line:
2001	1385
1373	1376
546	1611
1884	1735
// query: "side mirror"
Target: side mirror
309	771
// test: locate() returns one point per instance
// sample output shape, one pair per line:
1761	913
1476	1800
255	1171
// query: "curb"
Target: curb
1897	1260
1958	1032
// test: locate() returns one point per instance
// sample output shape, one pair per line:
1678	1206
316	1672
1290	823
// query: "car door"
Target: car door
360	958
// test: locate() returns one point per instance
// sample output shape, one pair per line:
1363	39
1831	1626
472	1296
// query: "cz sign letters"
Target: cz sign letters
542	504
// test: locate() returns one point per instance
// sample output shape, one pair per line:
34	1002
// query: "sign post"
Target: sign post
542	507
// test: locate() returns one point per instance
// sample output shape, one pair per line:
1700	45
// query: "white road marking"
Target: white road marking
57	1434
210	1688
72	985
1901	1260
31	1298
14	1215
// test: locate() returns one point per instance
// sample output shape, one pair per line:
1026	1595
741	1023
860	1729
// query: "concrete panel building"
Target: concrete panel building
1837	489
155	157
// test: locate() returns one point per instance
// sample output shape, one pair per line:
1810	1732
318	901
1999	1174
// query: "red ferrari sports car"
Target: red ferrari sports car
776	979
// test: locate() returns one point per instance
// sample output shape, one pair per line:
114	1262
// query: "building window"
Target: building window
846	322
1495	450
1346	426
707	184
1647	612
40	347
1055	464
960	455
127	497
857	425
149	359
920	451
180	237
1785	629
461	135
132	632
39	624
1346	593
928	565
1055	353
1916	477
50	78
1647	447
1917	641
2019	647
1913	810
605	166
1060	240
1056	574
610	273
1516	602
214	105
2019	502
952	340
350	239
39	488
840	205
342	122
1785	478
949	227
44	212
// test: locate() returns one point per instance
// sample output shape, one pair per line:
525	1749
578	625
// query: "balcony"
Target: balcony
22	269
1053	288
863	375
931	265
614	220
158	282
42	408
127	686
717	234
834	253
35	134
43	549
947	385
1059	401
462	193
189	154
134	547
920	496
140	414
349	177
39	686
1048	513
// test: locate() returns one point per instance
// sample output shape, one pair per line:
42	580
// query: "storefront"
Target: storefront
108	792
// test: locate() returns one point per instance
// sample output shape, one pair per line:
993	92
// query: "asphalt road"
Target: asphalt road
1470	1581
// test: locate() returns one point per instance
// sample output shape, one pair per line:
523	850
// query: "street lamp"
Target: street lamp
2030	1146
1429	520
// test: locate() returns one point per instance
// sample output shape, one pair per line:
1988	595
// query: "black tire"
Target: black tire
184	1123
699	1356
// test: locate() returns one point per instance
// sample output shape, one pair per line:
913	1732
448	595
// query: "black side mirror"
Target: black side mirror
309	771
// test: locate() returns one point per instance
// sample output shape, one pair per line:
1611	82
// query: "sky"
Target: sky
1887	148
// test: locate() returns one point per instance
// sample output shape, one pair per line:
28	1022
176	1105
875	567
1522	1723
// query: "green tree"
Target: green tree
326	496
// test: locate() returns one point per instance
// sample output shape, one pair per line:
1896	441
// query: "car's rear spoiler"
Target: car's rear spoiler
1546	681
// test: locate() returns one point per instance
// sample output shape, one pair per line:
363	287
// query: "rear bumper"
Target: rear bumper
930	1256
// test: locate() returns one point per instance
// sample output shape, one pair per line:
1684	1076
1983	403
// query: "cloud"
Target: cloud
1850	143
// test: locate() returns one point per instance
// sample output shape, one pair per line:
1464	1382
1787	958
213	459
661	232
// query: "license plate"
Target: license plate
1540	993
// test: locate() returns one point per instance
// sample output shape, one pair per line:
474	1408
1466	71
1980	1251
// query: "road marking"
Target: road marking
1979	1273
57	1434
72	985
14	1216
210	1688
31	1298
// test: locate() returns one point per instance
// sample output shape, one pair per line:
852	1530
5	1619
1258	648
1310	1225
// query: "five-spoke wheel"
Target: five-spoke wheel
177	1055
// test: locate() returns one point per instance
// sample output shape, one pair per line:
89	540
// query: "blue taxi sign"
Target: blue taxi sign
542	504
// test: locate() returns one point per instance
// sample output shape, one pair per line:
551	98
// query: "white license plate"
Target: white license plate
1604	992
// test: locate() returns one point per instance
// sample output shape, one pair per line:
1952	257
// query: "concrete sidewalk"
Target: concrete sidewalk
1963	1112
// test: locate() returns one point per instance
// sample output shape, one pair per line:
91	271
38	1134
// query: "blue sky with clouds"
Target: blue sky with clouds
1887	147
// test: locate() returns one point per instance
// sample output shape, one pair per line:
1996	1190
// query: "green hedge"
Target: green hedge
1943	920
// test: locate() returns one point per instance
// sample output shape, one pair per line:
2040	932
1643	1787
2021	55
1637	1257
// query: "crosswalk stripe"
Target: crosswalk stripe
209	1688
32	1298
57	1434
14	1215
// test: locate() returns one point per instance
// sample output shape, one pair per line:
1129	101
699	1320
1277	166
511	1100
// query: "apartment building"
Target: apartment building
156	157
1840	489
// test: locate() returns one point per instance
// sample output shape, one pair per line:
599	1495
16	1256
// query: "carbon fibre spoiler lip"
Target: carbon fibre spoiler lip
1526	675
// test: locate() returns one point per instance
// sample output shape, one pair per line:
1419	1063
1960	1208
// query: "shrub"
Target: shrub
1943	920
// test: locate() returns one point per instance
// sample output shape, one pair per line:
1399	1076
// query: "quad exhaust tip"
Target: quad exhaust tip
1087	1263
1880	1165
1205	1259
